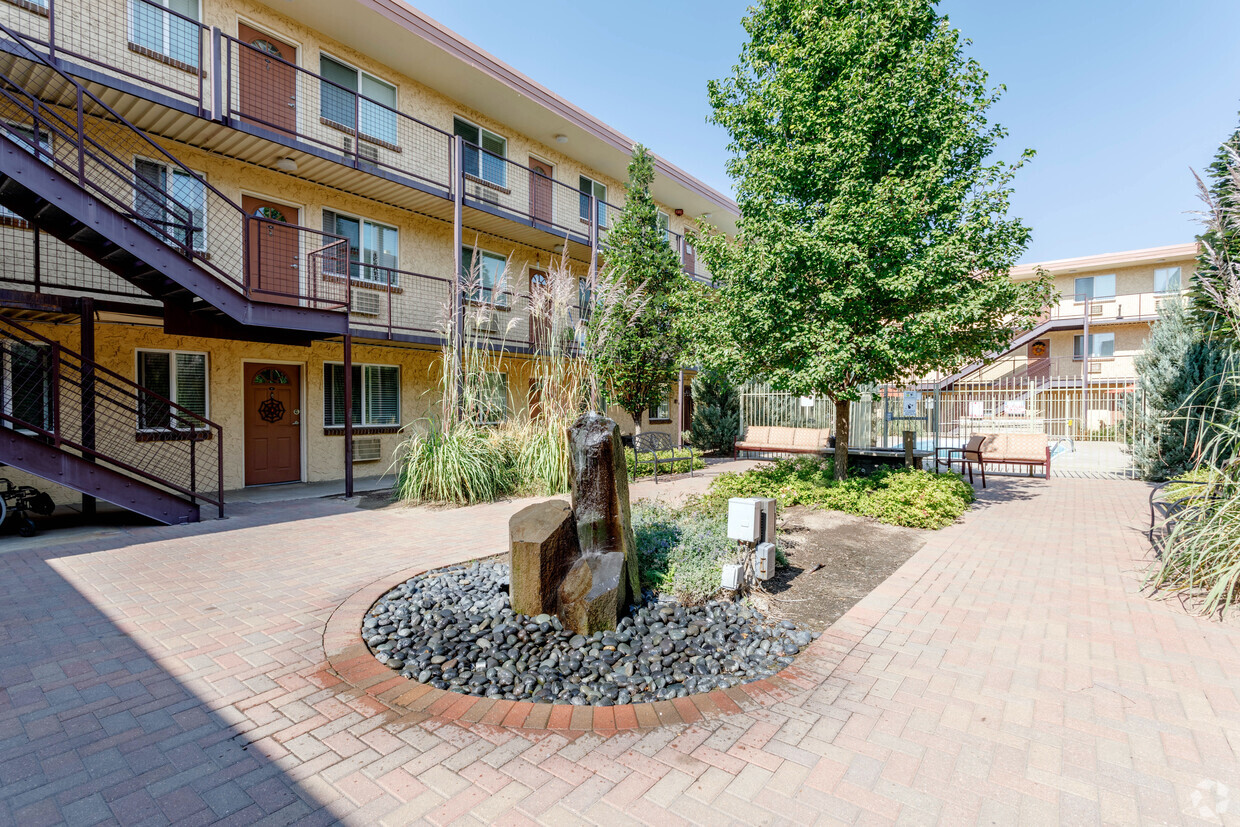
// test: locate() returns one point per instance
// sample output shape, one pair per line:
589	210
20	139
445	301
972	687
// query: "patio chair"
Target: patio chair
968	455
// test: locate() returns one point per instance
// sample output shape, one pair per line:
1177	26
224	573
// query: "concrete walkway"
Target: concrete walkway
1010	671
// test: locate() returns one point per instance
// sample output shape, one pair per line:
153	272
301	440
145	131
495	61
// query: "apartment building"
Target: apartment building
232	235
1098	325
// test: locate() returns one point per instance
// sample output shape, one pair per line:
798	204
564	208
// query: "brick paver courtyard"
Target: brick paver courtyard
1011	670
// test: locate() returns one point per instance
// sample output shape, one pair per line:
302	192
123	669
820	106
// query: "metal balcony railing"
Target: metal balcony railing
70	129
1118	308
77	405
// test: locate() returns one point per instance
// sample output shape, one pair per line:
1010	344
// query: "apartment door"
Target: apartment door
690	262
272	272
268	80
540	310
535	400
686	410
272	424
540	190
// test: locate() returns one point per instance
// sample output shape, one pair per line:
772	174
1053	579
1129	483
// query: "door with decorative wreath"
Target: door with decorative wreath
272	424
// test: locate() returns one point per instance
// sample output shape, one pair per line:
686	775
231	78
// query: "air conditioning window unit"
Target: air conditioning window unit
1095	310
365	151
1095	367
366	303
367	449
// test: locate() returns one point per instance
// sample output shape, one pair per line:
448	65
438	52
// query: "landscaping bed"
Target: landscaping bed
453	629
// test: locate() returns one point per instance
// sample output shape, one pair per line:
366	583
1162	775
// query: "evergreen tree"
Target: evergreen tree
716	421
637	349
1220	242
873	244
1178	376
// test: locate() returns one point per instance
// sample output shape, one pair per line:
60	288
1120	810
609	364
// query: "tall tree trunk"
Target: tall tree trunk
841	439
637	422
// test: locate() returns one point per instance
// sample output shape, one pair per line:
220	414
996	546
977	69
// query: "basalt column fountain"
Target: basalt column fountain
580	563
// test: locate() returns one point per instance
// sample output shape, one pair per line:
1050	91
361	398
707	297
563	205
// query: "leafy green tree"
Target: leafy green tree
1178	381
637	346
873	243
716	421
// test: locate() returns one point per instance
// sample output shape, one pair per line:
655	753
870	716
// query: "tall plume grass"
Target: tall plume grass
1201	553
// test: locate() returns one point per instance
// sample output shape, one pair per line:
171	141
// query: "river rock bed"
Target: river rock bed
453	629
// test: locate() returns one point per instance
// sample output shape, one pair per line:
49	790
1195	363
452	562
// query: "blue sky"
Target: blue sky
1121	99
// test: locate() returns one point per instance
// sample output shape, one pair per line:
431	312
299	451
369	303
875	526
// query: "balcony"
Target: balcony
165	73
1132	307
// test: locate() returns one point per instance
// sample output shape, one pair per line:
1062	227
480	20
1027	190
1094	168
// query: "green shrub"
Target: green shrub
457	463
647	470
681	553
917	499
541	463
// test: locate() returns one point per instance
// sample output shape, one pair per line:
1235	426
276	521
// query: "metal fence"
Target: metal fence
1089	426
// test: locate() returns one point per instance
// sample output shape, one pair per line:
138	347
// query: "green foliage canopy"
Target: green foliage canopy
873	243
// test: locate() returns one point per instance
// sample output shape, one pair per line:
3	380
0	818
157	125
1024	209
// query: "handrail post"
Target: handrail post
348	415
594	212
357	130
51	30
458	204
86	348
247	278
219	469
217	62
193	462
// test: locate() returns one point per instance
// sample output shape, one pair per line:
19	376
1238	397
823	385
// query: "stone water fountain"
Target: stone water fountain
580	562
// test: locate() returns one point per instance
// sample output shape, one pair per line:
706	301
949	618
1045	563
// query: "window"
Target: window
26	390
487	164
171	375
1167	280
1101	346
376	395
166	27
483	272
173	202
25	139
1095	287
491	399
338	91
661	412
372	247
590	187
664	224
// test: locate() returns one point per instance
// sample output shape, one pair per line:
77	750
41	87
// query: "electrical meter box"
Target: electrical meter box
732	577
744	519
764	561
766	522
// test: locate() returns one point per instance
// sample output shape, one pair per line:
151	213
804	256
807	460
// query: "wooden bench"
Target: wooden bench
782	440
1032	450
652	442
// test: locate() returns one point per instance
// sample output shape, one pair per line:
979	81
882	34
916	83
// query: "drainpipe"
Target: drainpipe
348	415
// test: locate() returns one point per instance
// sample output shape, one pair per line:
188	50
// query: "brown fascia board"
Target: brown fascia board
1108	261
461	49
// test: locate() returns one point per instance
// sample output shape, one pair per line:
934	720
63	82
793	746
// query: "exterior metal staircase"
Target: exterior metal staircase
71	421
75	168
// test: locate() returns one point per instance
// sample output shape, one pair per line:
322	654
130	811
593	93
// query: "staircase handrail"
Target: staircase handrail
44	116
93	377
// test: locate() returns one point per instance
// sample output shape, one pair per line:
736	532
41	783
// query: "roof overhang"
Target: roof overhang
398	35
1108	261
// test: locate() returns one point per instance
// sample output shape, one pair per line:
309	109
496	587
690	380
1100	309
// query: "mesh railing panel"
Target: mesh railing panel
68	128
51	392
268	91
43	263
550	205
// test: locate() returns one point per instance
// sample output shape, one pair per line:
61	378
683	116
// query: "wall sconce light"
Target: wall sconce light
679	213
287	164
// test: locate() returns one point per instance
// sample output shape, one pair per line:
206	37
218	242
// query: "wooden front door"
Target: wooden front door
272	271
535	400
540	190
686	410
268	80
690	261
540	311
272	424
